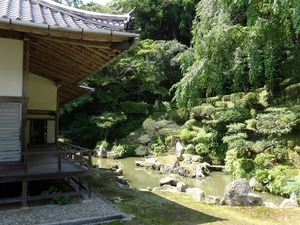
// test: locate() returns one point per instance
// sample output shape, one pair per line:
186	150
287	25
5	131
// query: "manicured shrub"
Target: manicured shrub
180	116
276	121
142	150
190	124
161	128
187	135
144	139
196	112
233	115
249	101
207	111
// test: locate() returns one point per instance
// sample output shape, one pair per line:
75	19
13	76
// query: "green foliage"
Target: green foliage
130	150
108	120
144	139
279	180
103	143
204	111
238	45
239	167
142	150
249	101
161	128
276	121
153	17
233	115
180	116
293	186
80	130
187	135
57	199
130	107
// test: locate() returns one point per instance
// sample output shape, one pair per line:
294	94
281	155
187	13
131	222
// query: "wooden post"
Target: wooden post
90	187
24	103
24	194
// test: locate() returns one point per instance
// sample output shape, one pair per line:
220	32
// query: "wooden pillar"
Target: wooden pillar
24	103
24	194
89	187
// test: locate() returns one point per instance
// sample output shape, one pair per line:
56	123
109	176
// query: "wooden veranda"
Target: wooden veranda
43	162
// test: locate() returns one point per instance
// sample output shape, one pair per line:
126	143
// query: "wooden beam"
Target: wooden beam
93	43
12	99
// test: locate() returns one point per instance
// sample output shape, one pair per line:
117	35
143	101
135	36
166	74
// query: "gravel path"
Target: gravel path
93	211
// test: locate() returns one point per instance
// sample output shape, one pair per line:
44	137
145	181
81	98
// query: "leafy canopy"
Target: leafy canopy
238	45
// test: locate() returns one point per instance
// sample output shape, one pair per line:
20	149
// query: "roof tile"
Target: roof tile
54	14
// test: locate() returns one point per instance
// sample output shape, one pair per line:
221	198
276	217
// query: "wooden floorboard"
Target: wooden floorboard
44	167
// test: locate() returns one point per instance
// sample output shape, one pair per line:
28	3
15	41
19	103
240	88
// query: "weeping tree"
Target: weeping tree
237	46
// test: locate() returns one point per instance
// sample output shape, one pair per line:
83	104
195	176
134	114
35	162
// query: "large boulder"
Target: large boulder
181	187
289	203
101	152
196	193
239	193
168	181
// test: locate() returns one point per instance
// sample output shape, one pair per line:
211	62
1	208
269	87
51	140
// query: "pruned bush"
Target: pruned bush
162	128
249	101
213	100
190	148
208	111
142	150
264	161
264	98
187	135
180	116
276	121
144	139
190	124
233	115
196	112
292	91
236	96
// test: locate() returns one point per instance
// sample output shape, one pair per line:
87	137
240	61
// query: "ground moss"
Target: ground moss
167	208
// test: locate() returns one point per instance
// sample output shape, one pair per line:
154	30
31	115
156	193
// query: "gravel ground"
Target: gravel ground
91	211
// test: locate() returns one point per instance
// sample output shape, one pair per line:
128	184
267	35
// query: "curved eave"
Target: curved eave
67	55
67	32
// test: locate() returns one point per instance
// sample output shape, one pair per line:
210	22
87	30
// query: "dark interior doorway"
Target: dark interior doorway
38	131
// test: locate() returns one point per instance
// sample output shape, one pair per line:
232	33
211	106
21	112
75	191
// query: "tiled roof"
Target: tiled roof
50	13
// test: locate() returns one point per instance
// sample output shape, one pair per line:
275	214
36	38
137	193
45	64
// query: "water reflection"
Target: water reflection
142	178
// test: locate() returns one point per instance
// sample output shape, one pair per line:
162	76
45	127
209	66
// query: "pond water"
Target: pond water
142	178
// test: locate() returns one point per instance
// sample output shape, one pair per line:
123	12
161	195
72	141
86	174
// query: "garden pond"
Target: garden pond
142	178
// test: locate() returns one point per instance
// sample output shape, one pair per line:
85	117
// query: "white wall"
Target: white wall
42	93
11	67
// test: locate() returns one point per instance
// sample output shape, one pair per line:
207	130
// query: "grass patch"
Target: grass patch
167	208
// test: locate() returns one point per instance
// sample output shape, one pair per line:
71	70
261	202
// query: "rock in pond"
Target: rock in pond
239	193
168	181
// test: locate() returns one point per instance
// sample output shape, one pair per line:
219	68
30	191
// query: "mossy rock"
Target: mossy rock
221	104
213	100
297	149
236	96
249	101
226	98
264	98
292	91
